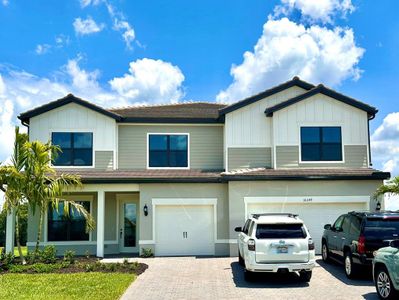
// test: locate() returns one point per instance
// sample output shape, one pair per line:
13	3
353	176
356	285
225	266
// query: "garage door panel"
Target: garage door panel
184	230
315	215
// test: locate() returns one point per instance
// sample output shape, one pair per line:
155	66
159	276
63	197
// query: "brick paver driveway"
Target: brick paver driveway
222	278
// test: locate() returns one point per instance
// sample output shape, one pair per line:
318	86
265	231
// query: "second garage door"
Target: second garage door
315	215
184	230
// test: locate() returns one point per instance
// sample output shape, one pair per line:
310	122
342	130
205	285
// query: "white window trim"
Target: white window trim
321	161
168	168
45	237
92	166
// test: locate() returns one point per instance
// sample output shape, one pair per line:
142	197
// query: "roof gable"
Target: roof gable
321	89
267	93
70	98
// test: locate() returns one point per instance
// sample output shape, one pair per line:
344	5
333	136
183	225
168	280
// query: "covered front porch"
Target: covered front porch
115	209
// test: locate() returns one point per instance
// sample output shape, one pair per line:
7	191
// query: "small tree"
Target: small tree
391	187
45	188
12	181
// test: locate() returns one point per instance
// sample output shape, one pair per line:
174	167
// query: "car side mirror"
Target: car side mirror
327	226
238	229
394	244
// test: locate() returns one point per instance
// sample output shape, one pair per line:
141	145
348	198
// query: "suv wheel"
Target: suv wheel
305	276
350	267
240	259
324	252
383	284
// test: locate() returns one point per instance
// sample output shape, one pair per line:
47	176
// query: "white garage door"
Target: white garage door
315	215
184	230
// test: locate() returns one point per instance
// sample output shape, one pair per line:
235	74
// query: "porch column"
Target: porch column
10	232
100	223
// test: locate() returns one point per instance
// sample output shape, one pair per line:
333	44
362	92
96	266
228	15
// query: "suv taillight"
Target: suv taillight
310	244
251	245
361	245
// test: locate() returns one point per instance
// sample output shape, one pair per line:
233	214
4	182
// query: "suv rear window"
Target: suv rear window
280	231
382	228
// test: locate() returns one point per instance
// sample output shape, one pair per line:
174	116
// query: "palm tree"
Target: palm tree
12	181
45	188
390	187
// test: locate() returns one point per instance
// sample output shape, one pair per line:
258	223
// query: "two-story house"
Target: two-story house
179	178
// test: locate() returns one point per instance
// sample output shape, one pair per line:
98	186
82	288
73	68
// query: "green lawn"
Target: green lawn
24	250
64	286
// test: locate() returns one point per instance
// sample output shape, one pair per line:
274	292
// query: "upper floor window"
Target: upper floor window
168	150
321	144
76	147
67	227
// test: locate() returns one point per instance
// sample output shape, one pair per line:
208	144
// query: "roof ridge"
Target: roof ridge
164	104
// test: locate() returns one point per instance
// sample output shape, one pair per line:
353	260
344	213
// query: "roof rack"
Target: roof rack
290	215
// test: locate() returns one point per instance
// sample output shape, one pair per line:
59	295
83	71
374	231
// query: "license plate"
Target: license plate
282	249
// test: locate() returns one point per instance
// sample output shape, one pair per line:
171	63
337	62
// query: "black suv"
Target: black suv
356	235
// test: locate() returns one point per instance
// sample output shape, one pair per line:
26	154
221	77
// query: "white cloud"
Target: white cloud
385	144
42	49
317	11
128	34
151	81
5	2
87	26
286	49
85	3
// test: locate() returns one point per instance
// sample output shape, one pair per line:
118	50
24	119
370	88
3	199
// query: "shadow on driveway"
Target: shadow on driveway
364	278
265	280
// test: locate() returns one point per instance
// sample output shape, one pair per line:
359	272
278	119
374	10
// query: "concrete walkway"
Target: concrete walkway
222	278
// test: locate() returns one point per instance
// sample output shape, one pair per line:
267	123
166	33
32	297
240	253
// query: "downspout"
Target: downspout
368	136
26	125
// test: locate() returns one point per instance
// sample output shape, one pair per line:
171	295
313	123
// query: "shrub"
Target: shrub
31	257
48	255
6	260
147	252
44	268
89	267
16	269
69	256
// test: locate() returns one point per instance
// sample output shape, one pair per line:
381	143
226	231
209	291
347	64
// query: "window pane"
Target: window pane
83	157
158	159
331	134
77	231
310	134
82	140
61	139
63	158
280	231
310	152
178	142
178	159
331	152
158	142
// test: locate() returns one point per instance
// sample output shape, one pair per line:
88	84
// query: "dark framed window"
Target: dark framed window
321	144
168	151
67	227
76	148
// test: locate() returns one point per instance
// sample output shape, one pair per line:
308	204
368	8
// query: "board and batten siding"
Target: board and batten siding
255	157
248	126
206	145
355	157
73	117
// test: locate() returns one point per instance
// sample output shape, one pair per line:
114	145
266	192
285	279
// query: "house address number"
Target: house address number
307	199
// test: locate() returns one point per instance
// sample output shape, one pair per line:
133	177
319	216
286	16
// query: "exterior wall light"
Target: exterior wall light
145	210
378	206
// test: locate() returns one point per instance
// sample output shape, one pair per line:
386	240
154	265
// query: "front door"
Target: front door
128	228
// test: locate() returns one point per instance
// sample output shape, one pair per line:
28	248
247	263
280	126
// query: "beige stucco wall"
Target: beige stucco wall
237	190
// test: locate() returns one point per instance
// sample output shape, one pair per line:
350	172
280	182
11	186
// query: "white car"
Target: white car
276	243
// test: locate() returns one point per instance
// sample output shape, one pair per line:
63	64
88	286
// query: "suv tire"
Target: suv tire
325	253
305	276
349	267
240	259
383	284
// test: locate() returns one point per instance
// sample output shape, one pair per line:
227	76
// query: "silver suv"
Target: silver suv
276	243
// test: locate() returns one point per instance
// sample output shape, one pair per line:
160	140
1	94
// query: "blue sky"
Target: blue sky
185	50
